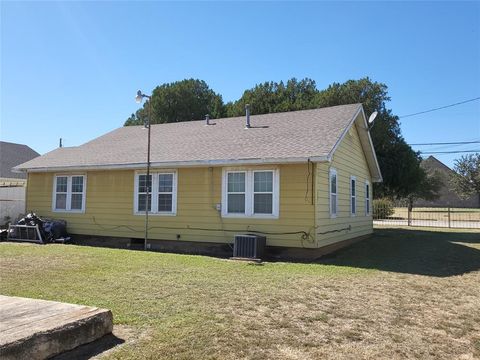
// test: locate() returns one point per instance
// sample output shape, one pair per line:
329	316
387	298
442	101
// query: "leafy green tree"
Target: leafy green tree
428	187
185	100
271	97
466	178
400	165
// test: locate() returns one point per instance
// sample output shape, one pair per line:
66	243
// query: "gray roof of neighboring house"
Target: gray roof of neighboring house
278	137
447	196
11	155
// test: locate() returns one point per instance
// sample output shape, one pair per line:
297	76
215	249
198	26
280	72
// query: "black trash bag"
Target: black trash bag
50	230
55	229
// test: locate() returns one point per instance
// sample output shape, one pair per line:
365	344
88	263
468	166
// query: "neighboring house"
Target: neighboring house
303	178
12	185
448	197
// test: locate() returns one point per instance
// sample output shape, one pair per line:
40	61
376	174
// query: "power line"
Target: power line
450	152
447	143
439	108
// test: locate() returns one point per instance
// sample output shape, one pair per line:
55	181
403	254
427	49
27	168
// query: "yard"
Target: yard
464	218
404	293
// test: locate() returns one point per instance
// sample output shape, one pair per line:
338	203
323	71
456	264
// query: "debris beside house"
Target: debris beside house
32	228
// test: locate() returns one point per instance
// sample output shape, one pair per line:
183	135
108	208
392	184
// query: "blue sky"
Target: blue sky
71	69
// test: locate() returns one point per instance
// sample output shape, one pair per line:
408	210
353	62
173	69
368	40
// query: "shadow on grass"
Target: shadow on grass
92	349
421	252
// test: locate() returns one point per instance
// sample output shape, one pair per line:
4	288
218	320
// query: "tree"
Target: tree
428	187
271	97
466	178
189	99
400	165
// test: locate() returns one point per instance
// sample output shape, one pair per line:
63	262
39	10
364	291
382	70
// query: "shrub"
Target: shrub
382	208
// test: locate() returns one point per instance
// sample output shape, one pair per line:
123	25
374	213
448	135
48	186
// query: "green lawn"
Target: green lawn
401	294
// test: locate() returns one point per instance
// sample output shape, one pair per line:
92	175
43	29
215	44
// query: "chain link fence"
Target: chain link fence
386	214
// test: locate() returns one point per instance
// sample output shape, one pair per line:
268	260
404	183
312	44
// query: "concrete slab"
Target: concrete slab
38	329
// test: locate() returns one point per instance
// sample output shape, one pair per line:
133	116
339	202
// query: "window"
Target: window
333	192
263	192
69	193
367	198
144	187
236	192
162	193
353	196
252	193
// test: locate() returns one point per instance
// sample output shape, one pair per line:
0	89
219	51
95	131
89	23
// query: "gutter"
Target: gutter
177	164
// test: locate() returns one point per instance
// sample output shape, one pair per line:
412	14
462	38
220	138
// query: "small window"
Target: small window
367	198
250	193
69	193
263	192
165	192
144	188
353	195
333	192
162	193
236	193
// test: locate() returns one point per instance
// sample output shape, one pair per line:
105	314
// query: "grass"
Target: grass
401	294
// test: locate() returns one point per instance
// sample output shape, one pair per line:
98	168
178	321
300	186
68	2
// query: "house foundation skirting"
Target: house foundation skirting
212	249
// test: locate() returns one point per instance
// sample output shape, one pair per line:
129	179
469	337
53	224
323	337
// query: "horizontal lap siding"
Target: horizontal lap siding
109	207
348	160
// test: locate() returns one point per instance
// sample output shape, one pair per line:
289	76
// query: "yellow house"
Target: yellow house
302	179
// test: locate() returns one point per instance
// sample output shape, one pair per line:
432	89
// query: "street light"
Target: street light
138	99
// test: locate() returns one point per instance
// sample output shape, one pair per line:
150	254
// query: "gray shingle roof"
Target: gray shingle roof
11	155
279	136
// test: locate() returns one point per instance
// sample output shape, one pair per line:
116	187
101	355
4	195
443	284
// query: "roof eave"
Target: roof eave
375	171
175	164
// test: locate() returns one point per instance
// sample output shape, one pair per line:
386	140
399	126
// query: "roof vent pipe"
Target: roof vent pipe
207	119
247	114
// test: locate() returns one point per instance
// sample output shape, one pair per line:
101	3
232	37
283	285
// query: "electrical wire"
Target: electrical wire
447	143
450	152
439	108
304	234
348	228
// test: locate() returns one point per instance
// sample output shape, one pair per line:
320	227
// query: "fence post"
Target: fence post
409	216
449	216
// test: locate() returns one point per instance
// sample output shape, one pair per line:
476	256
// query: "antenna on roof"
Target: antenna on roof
60	143
371	119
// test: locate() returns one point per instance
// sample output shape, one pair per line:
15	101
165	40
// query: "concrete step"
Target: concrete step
39	329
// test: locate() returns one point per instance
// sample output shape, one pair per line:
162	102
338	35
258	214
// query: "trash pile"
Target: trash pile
32	228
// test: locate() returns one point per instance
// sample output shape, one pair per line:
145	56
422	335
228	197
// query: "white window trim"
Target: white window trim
352	197
333	171
249	194
154	193
69	194
368	200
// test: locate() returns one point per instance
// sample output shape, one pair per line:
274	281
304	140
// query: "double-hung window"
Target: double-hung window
353	195
69	193
236	191
252	193
161	188
333	192
367	198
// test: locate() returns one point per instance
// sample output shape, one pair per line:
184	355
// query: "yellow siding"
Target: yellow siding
349	160
110	197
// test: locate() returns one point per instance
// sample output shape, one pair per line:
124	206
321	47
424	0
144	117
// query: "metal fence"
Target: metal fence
427	216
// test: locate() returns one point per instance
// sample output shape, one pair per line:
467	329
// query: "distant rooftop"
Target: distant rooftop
11	155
